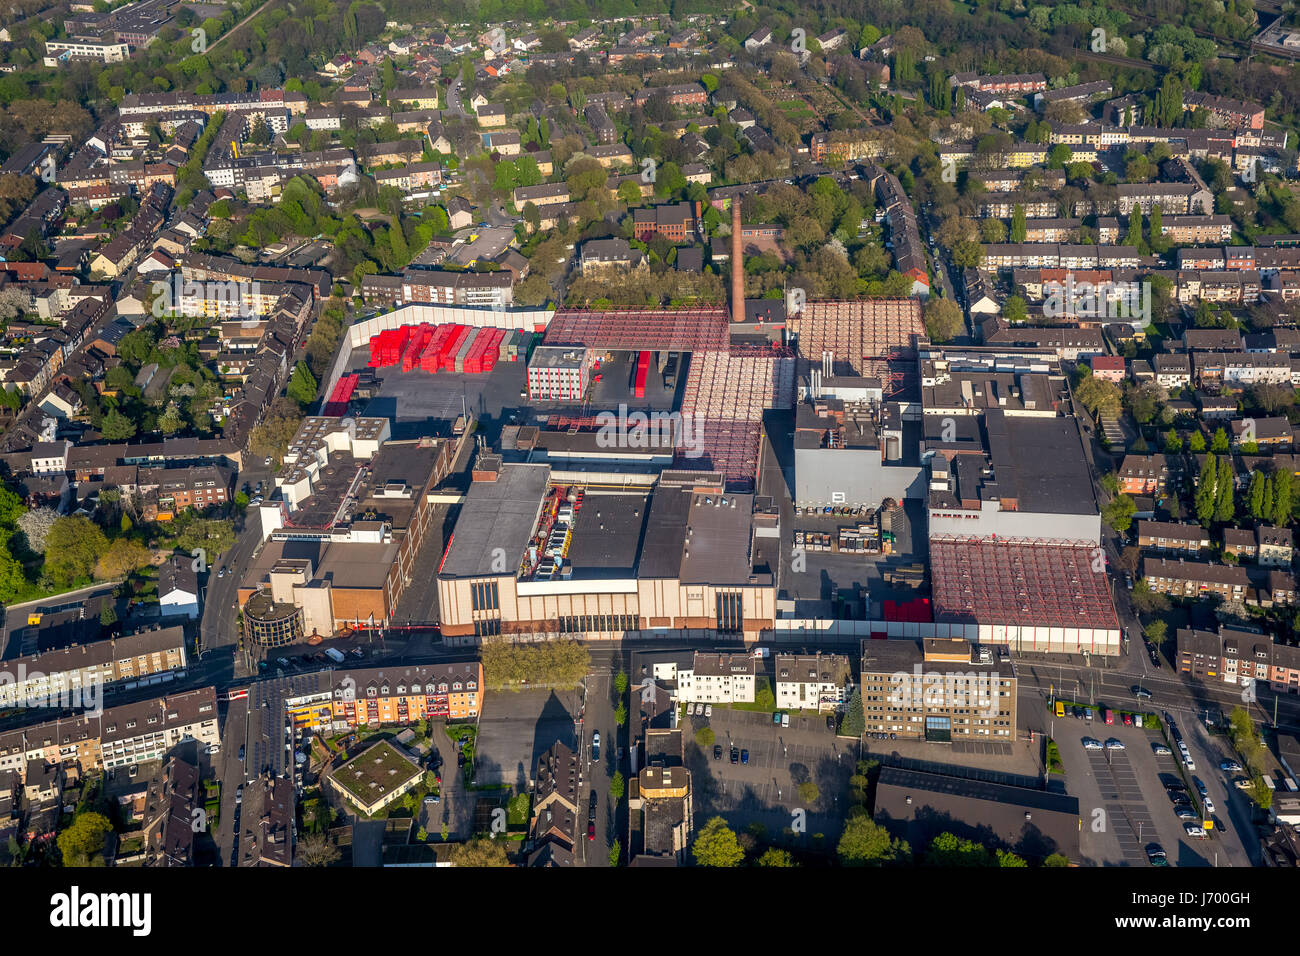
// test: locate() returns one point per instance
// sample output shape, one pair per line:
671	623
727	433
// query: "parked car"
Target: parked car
1114	744
1161	750
708	710
1241	783
1078	712
1184	811
1091	743
1128	720
241	751
1209	806
1155	656
717	751
1194	831
735	755
785	720
1199	784
776	718
830	722
1156	855
595	745
1229	766
591	830
744	756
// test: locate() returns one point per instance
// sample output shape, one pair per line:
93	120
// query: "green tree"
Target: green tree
1099	397
773	856
1134	235
1256	494
1196	443
480	852
1015	309
949	850
84	840
511	665
1281	488
1172	443
170	421
1019	224
13	581
1224	501
855	723
1118	512
943	319
124	557
615	853
1006	858
620	683
620	714
107	616
809	792
1157	632
1057	860
1219	444
629	193
72	548
866	843
705	737
1206	495
716	845
617	786
1147	601
117	427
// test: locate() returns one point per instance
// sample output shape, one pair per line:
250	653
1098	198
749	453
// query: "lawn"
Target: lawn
764	700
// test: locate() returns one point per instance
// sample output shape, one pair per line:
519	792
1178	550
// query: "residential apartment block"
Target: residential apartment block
811	681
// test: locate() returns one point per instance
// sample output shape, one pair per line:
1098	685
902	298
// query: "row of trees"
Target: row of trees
548	663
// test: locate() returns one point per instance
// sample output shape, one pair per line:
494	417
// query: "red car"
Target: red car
1128	720
591	831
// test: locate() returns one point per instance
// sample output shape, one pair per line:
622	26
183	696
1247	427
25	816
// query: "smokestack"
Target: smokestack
737	266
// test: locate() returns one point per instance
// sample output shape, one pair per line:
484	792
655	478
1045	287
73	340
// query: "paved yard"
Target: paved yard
515	729
765	790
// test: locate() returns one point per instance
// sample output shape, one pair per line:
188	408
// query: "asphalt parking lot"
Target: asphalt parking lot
1123	805
514	729
765	790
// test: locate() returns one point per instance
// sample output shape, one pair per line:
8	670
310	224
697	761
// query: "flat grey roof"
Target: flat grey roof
718	540
607	536
1048	471
497	514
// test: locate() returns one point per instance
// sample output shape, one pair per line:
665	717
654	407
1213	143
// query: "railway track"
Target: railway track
1114	60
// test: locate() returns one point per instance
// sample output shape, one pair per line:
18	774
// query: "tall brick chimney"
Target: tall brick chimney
737	266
